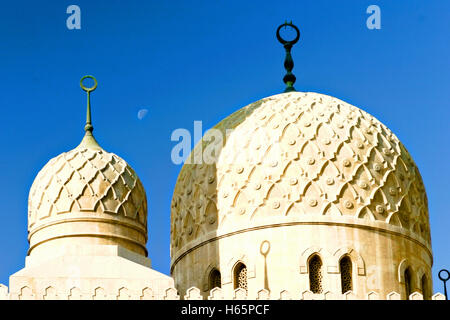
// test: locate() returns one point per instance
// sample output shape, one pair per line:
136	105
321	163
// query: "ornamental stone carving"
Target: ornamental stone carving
87	195
86	180
297	155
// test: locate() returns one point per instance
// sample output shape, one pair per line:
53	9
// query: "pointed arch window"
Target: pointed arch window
315	274
424	285
345	267
214	279
240	276
408	283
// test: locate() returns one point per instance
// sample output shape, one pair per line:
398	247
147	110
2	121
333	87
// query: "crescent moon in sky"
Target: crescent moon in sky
142	113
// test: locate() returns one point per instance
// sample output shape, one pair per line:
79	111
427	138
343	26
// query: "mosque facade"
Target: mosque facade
309	197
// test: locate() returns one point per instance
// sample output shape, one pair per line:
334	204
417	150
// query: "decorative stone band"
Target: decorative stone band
378	226
88	230
193	293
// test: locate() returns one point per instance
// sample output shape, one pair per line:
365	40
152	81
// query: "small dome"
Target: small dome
294	156
87	196
90	185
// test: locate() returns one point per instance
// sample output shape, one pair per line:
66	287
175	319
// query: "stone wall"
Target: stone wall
51	293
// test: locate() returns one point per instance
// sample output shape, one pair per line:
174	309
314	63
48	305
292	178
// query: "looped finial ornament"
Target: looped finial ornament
288	42
91	88
88	127
444	280
289	78
264	248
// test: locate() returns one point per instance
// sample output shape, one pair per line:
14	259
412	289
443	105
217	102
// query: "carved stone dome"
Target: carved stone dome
299	157
87	196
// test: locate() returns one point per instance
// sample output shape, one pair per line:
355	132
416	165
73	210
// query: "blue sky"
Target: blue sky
202	60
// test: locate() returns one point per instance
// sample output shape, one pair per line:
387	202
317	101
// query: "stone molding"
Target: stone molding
314	250
403	265
210	268
249	263
374	226
193	293
355	257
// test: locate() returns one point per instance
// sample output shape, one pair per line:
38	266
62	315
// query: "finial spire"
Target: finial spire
89	140
289	78
88	127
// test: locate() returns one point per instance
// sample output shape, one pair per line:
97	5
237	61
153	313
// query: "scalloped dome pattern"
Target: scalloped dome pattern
297	154
87	180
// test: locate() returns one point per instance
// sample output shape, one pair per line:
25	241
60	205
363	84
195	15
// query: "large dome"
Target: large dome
91	195
299	157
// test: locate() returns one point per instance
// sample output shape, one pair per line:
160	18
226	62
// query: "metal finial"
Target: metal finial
444	280
289	78
88	127
88	139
